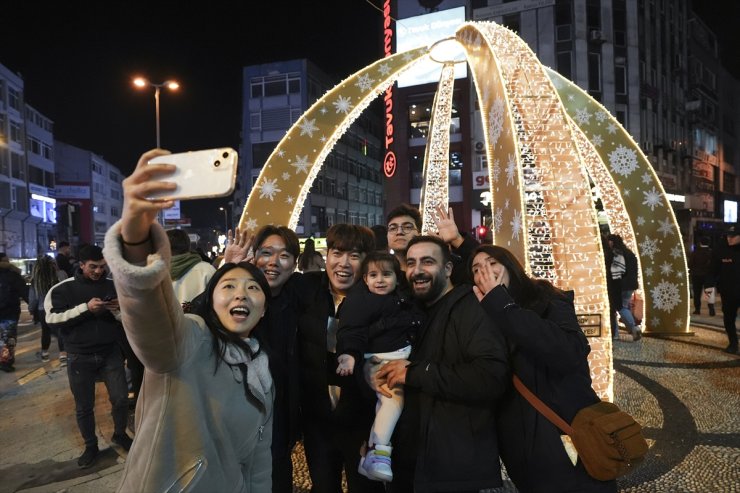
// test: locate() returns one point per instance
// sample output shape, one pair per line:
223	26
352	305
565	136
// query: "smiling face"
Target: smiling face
380	278
400	231
238	301
483	262
427	272
275	262
343	269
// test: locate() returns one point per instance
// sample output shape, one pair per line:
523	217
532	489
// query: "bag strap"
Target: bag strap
542	407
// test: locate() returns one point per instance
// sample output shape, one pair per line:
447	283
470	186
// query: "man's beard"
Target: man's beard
436	287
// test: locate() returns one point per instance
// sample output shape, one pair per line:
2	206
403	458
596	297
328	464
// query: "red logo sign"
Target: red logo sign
389	164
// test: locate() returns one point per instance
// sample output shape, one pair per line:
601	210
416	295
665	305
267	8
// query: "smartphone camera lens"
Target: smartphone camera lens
225	155
217	163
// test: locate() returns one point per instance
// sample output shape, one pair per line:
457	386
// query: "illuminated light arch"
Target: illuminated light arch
280	191
651	229
537	130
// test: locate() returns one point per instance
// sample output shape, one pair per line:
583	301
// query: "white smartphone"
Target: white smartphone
199	174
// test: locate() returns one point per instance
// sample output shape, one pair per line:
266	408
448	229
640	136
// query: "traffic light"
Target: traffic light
482	231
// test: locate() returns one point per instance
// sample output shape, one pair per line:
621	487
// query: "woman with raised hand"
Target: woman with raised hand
205	408
548	352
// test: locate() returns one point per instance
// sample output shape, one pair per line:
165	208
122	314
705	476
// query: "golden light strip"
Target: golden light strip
504	173
281	188
658	240
435	191
562	229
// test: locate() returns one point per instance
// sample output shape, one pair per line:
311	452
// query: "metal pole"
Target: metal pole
156	105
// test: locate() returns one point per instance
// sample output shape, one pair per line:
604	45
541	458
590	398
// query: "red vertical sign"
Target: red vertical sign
389	162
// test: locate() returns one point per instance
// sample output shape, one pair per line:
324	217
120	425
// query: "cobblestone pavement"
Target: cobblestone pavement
684	390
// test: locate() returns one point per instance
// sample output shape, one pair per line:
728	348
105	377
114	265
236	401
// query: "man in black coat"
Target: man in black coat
336	414
726	276
445	439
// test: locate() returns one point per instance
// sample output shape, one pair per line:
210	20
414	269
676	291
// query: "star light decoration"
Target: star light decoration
652	233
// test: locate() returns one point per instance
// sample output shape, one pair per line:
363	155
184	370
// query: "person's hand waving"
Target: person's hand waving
238	247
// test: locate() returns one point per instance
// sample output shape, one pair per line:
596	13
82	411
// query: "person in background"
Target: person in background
377	321
189	273
12	289
726	278
336	414
624	269
549	353
445	439
85	309
700	266
45	275
310	259
64	258
205	416
405	223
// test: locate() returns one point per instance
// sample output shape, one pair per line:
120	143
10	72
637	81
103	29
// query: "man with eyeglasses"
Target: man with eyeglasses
404	223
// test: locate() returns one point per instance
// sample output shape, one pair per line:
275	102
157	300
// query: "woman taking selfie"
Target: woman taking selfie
548	352
205	408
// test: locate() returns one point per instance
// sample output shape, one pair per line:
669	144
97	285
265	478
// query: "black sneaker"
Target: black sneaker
123	440
88	457
7	367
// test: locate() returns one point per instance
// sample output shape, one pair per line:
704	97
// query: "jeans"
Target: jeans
625	314
8	336
82	370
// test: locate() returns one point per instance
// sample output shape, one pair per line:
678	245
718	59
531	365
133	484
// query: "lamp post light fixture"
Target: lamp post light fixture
169	84
226	218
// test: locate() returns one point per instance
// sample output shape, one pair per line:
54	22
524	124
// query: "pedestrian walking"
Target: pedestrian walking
700	267
623	269
12	290
726	278
45	274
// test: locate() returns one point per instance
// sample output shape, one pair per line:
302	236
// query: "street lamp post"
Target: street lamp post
169	84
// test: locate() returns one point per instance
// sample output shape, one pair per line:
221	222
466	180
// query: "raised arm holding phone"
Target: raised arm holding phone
207	400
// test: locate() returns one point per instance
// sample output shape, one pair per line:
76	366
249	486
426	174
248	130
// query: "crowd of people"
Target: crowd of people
392	359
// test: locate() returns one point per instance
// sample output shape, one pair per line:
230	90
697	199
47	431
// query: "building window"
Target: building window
17	167
620	79
594	72
114	177
97	168
15	131
563	33
14	99
46	151
115	212
565	63
255	121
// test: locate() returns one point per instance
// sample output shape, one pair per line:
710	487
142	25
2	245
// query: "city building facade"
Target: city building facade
652	63
88	192
348	189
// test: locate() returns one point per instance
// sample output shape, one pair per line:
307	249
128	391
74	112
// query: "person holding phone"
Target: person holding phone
206	406
92	332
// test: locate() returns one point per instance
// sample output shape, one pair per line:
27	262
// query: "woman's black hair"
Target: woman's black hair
526	291
221	335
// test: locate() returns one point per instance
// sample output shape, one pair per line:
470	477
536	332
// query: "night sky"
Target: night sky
78	59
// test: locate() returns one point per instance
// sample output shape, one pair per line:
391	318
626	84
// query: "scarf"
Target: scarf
259	381
182	263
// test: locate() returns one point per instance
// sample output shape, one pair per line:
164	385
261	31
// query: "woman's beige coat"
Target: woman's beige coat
195	430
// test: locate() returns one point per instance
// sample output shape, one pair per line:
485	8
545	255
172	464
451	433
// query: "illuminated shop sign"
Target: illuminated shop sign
389	162
44	208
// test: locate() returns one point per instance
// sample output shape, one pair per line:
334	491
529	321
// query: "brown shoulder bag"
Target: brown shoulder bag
608	440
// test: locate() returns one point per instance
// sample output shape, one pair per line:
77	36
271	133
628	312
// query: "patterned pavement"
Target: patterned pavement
684	390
